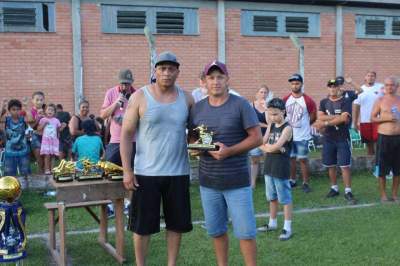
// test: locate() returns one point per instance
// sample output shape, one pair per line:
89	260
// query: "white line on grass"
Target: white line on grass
258	215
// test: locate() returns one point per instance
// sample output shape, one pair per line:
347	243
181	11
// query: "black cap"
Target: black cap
167	57
296	77
339	80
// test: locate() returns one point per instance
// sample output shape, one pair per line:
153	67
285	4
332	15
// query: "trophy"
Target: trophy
64	172
204	143
12	221
111	171
90	171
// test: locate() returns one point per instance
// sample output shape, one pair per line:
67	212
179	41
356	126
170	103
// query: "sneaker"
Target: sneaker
306	188
332	193
349	197
50	193
110	212
293	183
266	228
285	235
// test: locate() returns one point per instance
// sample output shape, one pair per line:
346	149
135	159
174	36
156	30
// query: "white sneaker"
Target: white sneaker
266	228
285	235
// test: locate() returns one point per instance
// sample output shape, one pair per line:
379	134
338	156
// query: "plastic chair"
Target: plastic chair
311	145
355	139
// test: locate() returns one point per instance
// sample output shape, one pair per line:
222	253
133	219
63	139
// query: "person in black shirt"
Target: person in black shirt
65	135
334	119
277	146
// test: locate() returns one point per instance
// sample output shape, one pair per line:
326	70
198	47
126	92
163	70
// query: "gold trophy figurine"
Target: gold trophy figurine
64	172
90	171
111	171
204	143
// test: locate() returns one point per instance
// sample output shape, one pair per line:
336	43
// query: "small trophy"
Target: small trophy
204	143
90	171
111	171
64	172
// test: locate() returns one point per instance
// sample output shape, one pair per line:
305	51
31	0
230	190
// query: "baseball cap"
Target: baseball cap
339	80
296	77
221	66
167	57
125	76
332	83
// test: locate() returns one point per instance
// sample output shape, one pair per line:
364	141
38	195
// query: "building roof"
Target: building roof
360	3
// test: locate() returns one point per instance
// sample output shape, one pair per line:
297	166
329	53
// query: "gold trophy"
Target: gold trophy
111	171
90	171
64	172
12	222
204	143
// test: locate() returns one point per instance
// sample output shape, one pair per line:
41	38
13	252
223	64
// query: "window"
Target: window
276	23
160	20
377	27
26	17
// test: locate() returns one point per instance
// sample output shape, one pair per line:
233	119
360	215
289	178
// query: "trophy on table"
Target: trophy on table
12	221
111	171
64	172
90	171
204	143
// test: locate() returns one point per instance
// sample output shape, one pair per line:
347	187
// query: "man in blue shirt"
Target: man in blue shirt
224	174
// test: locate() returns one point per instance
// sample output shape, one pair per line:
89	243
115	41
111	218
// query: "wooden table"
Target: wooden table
78	194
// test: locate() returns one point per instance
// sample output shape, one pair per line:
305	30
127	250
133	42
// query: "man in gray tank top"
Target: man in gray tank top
224	174
158	115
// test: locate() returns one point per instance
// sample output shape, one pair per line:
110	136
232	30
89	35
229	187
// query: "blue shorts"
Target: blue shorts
336	153
278	189
299	149
239	202
36	141
256	152
14	163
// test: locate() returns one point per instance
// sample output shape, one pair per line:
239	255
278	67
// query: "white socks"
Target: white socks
347	190
287	226
273	223
336	188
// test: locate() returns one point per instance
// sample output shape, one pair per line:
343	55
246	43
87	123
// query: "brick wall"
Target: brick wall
105	54
43	61
361	55
39	61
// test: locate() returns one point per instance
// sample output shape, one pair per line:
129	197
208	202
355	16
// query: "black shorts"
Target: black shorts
388	155
172	192
113	153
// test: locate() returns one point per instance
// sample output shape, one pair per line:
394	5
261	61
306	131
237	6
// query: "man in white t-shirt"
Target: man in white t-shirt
301	112
362	108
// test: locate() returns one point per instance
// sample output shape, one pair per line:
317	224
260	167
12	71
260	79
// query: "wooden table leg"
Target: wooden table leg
119	227
118	251
52	231
62	227
103	224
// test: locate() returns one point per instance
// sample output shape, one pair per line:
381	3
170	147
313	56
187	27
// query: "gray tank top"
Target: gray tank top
161	146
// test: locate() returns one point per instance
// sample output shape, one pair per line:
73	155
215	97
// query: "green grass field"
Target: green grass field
356	236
